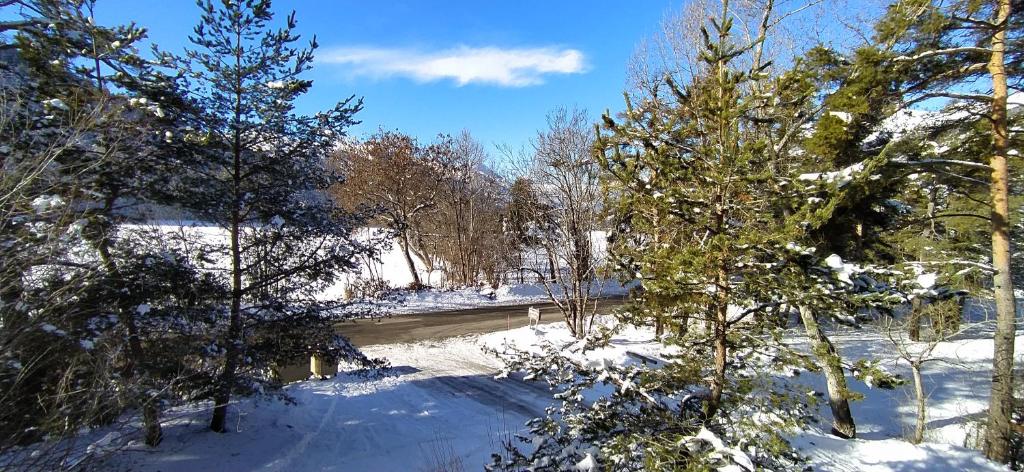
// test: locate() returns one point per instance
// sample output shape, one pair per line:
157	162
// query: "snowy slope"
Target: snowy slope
197	238
957	390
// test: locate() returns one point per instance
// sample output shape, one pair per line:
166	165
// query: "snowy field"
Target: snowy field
390	266
441	408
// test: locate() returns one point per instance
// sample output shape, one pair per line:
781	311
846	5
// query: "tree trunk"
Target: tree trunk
150	419
721	319
718	379
709	319
419	249
683	326
222	395
914	321
581	330
998	431
842	420
151	422
408	260
226	380
919	393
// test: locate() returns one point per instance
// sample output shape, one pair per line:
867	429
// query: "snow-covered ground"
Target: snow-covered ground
442	404
957	388
391	267
439	405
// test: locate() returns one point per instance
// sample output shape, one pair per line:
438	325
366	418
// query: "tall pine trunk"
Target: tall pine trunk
222	395
997	441
835	380
225	382
719	341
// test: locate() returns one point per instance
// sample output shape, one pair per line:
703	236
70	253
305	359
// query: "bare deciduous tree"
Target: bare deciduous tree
398	177
466	230
944	325
564	179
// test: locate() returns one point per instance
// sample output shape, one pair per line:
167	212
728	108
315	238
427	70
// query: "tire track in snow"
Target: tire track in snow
465	374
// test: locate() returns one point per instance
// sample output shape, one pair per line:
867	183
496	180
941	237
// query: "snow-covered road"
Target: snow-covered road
441	405
461	370
445	324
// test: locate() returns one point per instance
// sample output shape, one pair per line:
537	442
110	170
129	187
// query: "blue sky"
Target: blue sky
492	67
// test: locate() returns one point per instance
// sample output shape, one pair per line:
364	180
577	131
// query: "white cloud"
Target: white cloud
516	67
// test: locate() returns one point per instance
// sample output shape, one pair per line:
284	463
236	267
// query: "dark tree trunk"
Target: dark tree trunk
914	322
721	320
151	423
683	326
150	417
226	381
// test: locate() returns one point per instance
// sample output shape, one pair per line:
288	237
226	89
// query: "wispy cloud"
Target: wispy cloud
515	67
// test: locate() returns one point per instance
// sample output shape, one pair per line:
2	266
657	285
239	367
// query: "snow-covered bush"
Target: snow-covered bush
369	289
652	417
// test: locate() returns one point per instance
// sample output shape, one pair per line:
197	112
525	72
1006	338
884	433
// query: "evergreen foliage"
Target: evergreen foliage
260	171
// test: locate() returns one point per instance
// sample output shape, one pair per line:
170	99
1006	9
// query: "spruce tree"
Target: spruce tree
80	137
833	196
257	169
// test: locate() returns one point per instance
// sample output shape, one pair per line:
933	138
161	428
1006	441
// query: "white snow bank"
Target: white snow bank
631	345
887	455
957	390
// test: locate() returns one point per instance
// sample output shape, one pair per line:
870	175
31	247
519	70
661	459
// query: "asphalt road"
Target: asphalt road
444	324
438	325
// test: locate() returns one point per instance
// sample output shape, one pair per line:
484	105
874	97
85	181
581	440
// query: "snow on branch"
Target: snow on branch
956	162
942	52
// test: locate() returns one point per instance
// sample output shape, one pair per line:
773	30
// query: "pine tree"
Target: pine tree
259	171
948	48
695	181
723	220
92	154
832	198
